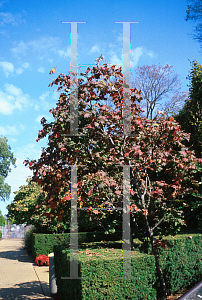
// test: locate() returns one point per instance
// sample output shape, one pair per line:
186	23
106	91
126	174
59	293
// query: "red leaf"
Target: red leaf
132	192
52	71
86	115
39	181
90	192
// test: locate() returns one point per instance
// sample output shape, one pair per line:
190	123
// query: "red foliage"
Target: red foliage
156	153
159	243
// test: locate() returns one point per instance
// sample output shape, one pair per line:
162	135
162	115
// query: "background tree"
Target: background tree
161	167
190	116
190	119
194	13
158	84
29	207
2	219
6	159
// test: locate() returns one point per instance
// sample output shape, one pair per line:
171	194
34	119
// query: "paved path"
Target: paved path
20	278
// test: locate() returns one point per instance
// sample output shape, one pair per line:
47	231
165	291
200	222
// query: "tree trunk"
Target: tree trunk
131	241
158	269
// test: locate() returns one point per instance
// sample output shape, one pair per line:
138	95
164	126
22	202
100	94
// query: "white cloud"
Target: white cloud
135	55
120	38
11	130
19	71
64	53
47	100
43	103
44	43
6	106
42	47
37	107
115	60
13	90
152	54
44	96
8	67
21	49
31	151
55	96
12	98
41	70
95	49
138	52
12	140
25	65
8	18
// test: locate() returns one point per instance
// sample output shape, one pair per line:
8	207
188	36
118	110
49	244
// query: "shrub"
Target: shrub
28	239
0	234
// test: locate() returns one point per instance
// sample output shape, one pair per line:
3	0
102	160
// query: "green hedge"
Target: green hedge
99	272
44	243
181	263
28	239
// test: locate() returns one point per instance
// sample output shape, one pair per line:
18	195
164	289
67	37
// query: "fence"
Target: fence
14	231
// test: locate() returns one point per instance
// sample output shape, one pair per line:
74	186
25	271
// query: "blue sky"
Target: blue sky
33	41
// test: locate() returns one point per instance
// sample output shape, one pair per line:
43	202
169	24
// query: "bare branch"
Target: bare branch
157	84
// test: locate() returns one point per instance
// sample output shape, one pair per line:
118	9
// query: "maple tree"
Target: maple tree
161	166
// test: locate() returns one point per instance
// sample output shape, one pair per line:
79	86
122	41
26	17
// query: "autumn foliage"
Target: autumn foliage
161	167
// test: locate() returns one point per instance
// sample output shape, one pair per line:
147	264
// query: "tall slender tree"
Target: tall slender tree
2	219
6	159
190	116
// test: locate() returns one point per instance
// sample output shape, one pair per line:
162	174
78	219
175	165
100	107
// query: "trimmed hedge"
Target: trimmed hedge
99	269
181	263
44	243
